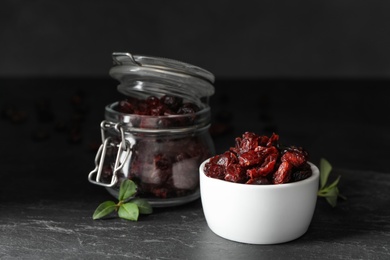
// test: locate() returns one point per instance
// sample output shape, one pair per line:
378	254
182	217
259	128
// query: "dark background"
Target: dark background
246	39
315	72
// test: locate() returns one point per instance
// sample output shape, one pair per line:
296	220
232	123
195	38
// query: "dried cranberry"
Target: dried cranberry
267	168
172	103
301	173
283	173
224	159
247	142
152	101
295	155
262	159
235	173
249	158
214	171
142	108
165	106
126	106
188	108
273	140
14	115
162	162
158	110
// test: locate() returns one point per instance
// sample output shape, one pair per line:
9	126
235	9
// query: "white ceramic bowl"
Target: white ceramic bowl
259	214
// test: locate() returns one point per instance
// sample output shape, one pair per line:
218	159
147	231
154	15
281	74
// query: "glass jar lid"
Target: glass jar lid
156	75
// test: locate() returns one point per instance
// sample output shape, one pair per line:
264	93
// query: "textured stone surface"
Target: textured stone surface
63	229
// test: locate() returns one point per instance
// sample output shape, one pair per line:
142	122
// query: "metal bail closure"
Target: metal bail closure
124	152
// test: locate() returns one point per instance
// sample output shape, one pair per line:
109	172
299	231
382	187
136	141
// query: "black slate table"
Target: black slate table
46	201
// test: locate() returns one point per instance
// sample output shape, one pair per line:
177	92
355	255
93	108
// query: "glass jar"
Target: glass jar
161	149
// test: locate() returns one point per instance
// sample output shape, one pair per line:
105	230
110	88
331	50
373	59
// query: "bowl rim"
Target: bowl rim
314	176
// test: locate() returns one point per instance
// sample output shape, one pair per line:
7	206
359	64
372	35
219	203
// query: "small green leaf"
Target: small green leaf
332	196
325	169
129	211
143	206
329	192
104	209
127	189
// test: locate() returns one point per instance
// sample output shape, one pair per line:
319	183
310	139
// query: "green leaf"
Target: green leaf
143	206
128	207
129	211
329	192
127	189
332	196
104	209
325	169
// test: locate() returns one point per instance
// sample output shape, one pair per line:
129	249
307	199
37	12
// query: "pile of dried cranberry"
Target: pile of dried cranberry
259	159
154	106
162	166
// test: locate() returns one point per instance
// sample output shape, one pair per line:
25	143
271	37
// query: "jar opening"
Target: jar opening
143	89
199	119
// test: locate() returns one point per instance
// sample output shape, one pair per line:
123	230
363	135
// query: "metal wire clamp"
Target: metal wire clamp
124	151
